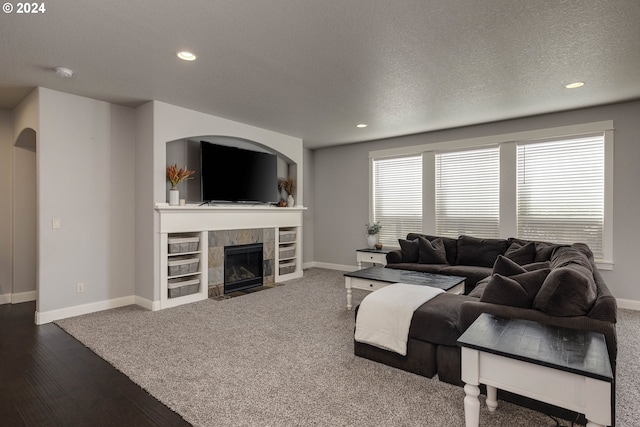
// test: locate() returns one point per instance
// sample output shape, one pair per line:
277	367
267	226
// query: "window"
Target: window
552	184
468	193
397	197
560	191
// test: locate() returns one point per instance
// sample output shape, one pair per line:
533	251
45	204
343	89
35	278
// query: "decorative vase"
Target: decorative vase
290	201
174	197
372	239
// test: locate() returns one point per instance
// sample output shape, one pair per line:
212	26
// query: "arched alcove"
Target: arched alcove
25	236
186	152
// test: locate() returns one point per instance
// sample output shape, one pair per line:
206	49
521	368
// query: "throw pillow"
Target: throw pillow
544	250
431	252
567	291
507	267
410	250
515	291
450	245
479	252
521	254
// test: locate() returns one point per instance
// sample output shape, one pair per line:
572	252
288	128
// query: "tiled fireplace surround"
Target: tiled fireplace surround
221	238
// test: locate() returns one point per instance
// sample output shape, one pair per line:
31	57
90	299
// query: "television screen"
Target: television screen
232	174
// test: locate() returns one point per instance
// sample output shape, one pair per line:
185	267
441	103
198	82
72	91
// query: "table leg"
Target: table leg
347	284
492	398
471	405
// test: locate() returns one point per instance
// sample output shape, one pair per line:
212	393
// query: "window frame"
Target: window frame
508	174
372	178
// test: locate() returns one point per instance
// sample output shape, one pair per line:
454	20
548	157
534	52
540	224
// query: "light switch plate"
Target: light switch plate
56	223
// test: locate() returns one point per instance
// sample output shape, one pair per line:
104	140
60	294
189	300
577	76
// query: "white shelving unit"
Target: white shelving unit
193	220
288	263
184	272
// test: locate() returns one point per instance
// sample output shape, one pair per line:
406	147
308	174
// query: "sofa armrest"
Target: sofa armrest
470	310
394	257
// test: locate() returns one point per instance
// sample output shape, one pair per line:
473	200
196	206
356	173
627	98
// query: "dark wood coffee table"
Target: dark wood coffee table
374	278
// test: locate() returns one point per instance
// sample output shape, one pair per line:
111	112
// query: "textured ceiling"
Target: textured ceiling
315	68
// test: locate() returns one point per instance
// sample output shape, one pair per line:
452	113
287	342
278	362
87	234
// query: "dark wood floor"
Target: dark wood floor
48	378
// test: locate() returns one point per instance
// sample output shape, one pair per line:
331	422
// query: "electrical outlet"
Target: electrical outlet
80	288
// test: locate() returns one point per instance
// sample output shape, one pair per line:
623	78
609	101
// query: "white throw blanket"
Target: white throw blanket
384	316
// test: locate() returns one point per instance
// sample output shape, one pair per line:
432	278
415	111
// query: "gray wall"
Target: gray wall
341	186
308	215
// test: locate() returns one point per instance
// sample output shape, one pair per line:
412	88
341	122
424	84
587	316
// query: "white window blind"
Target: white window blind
561	191
468	193
397	197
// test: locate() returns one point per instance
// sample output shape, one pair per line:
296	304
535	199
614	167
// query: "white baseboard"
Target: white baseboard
329	266
18	298
628	304
24	297
148	304
43	317
5	299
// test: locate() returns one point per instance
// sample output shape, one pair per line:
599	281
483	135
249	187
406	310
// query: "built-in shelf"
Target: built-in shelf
193	221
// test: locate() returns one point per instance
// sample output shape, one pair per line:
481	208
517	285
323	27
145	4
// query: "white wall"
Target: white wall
6	205
156	124
25	239
26	122
86	173
341	187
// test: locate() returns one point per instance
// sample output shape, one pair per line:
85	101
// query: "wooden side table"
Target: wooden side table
372	256
564	367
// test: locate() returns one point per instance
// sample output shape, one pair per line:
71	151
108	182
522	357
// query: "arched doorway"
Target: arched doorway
25	213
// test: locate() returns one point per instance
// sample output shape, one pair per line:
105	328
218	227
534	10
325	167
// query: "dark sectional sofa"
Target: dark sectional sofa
544	282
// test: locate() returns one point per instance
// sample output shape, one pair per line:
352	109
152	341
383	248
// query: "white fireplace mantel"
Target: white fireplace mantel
193	218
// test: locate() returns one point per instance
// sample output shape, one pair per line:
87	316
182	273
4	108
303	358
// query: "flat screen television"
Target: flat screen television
231	174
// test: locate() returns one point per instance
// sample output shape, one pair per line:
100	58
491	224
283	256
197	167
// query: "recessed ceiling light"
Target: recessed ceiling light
361	125
574	85
64	72
187	56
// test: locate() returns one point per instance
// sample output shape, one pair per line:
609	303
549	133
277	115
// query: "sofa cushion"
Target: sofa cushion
479	252
506	267
537	265
436	321
410	250
515	291
424	268
471	272
521	254
567	291
450	245
431	252
566	256
478	290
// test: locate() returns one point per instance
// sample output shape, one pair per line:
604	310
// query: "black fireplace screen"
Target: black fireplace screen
242	267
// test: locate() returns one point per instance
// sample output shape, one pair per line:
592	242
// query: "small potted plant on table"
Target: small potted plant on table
373	231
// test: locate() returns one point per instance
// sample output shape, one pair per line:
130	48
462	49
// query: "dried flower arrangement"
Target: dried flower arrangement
176	176
288	184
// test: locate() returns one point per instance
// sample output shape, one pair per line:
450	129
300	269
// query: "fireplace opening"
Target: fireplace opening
242	267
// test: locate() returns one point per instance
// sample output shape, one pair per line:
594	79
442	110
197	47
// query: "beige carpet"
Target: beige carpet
284	357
